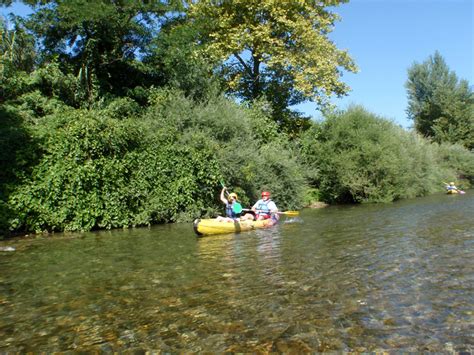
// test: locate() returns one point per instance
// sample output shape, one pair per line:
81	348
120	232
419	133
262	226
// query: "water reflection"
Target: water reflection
358	278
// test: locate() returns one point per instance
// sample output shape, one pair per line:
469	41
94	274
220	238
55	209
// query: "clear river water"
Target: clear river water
380	277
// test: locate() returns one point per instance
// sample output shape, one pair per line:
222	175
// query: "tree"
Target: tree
16	48
276	49
99	41
173	54
17	55
441	105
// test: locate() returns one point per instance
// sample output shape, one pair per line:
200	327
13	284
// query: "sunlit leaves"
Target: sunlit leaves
355	156
441	105
257	39
121	166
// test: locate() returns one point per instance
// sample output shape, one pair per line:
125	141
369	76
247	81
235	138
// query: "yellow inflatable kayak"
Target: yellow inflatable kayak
453	192
213	226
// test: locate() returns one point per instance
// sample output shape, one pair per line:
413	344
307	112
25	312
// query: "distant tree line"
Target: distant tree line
119	114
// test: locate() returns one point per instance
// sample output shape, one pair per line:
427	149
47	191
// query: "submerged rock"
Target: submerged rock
317	204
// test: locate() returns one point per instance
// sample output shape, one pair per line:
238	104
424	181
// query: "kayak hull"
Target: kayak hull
454	192
212	226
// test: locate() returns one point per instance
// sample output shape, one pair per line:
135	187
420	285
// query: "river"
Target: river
379	277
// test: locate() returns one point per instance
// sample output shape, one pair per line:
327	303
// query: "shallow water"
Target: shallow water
355	278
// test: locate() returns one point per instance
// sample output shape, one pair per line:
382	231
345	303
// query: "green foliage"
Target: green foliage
99	172
441	106
251	154
122	108
173	52
84	161
109	168
311	196
16	60
276	50
41	92
457	163
99	40
17	51
355	156
18	152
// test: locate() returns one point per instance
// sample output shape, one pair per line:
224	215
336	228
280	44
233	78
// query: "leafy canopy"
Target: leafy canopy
99	40
274	48
441	105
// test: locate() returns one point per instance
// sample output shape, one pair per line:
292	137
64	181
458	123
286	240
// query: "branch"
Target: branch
246	67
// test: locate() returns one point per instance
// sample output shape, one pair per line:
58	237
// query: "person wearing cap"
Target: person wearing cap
264	208
451	187
230	206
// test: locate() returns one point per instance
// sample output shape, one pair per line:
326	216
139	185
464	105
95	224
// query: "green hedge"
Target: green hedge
356	156
120	166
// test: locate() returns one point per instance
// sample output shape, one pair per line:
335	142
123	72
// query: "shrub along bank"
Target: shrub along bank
124	165
356	156
104	168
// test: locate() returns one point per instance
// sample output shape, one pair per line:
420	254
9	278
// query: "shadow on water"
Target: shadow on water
344	278
17	155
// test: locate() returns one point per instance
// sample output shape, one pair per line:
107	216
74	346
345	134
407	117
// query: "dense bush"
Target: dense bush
107	168
250	152
99	172
355	156
124	165
457	162
18	153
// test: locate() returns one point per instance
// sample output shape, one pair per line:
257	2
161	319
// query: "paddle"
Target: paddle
286	213
237	207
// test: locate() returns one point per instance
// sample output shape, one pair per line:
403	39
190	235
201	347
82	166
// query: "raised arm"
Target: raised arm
223	198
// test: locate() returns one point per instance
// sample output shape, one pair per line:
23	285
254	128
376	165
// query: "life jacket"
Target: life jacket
263	210
229	211
263	206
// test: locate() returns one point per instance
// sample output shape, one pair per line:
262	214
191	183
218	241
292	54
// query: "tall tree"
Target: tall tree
441	105
173	53
17	55
16	47
101	40
278	49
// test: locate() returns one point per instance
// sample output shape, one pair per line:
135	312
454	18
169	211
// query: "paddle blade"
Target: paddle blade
291	213
237	207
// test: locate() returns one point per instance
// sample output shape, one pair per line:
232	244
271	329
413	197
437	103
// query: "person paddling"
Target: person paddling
451	187
264	208
233	208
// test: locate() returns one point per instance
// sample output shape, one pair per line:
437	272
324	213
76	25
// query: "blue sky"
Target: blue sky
385	37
